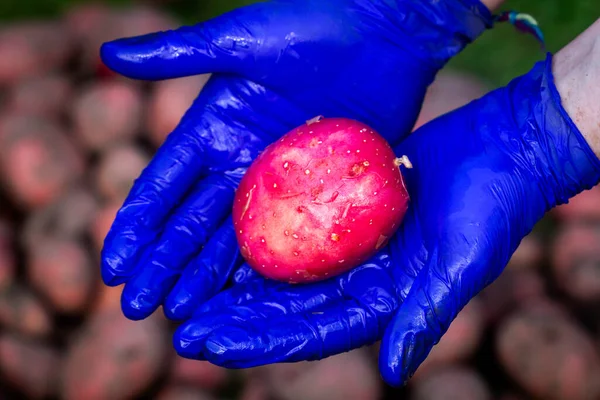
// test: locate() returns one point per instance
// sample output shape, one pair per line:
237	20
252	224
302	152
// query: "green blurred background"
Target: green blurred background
497	56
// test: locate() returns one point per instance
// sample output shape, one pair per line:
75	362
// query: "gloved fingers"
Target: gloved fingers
437	295
370	282
294	322
221	44
253	288
206	275
190	336
245	274
168	176
309	335
184	234
289	299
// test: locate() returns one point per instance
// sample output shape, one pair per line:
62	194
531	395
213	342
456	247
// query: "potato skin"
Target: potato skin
37	160
182	392
169	102
197	373
63	272
452	382
25	98
576	261
114	358
7	255
68	217
117	170
106	114
548	353
22	312
32	48
345	376
31	366
319	201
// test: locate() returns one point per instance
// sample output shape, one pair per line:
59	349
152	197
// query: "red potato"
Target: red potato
37	160
114	358
512	288
180	392
67	217
7	255
32	48
576	261
346	376
63	272
319	201
107	113
451	383
449	91
31	367
45	96
460	341
102	222
548	353
584	206
196	373
117	170
169	102
22	312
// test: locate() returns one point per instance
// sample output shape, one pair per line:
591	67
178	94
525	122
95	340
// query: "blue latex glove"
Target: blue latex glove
482	177
276	65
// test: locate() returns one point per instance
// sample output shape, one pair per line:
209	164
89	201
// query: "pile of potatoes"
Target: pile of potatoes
74	136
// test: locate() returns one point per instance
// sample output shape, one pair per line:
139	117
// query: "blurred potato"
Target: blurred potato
118	168
114	358
62	271
346	376
44	95
31	48
449	91
105	114
547	352
22	312
169	102
33	367
576	261
38	161
451	383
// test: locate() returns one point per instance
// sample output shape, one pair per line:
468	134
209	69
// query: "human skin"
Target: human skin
492	5
577	72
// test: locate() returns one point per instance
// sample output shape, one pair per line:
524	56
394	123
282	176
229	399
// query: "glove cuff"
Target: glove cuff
572	166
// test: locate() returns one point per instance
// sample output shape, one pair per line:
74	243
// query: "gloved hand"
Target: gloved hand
482	177
275	65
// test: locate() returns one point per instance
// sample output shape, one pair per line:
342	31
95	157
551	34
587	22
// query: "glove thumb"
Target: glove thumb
436	297
221	44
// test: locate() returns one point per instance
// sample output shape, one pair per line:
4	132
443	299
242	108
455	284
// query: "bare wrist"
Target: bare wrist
492	5
576	70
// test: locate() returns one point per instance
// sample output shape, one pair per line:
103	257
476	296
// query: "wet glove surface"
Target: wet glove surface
275	65
482	177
